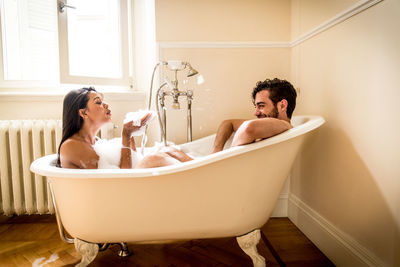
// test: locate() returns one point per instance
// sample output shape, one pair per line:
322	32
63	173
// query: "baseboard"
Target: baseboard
281	206
338	246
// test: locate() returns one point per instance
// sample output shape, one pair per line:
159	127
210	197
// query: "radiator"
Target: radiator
21	142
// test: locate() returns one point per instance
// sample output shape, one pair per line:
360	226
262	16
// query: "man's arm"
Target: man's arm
225	129
251	130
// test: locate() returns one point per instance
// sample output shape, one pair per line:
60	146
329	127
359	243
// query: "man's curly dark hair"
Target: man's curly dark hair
278	90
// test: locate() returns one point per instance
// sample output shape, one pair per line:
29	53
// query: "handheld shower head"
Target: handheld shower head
191	71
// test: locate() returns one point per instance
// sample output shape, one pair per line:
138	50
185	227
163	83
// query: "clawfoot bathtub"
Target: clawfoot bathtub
230	193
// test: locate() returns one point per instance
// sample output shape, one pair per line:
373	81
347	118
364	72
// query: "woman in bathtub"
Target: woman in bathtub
84	113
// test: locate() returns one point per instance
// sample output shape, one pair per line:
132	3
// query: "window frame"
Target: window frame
66	78
63	79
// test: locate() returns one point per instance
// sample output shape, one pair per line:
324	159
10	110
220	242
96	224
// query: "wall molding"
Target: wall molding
135	96
338	246
358	7
233	44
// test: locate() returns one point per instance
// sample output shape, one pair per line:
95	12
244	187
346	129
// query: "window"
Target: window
88	44
29	40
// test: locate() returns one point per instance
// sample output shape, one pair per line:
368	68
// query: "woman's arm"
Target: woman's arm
126	156
128	142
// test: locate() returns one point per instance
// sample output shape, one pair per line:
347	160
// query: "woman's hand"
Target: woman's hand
129	128
129	142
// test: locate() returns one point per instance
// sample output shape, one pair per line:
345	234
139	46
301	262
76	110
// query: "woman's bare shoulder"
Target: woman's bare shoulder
74	146
70	143
75	153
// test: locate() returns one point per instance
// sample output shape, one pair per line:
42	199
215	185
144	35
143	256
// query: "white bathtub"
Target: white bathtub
230	193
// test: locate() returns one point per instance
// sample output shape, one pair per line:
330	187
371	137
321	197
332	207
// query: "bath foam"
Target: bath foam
136	117
109	152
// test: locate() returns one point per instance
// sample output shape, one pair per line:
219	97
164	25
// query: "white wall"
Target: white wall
349	173
218	39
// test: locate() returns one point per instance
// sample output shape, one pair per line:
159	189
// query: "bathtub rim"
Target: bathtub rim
42	165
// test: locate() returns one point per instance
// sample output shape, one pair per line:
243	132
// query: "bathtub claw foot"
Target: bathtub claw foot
248	243
87	250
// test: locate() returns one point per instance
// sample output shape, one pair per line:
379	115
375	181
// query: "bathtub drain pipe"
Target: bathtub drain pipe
61	229
124	252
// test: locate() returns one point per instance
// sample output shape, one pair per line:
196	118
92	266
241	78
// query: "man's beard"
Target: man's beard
273	114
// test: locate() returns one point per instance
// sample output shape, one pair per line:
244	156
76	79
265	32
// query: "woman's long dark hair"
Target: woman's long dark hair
72	122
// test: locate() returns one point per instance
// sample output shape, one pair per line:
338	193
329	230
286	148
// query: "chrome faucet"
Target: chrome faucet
175	93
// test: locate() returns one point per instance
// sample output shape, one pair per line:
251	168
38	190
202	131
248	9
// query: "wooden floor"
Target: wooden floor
34	241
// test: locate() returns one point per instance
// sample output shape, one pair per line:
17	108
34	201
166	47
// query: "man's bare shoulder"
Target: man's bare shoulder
268	122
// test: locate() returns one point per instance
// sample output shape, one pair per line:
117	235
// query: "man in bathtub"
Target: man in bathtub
274	101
